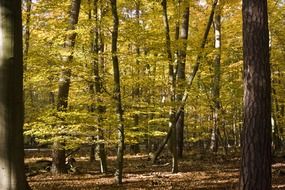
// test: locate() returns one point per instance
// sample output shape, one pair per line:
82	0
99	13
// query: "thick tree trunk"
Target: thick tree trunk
117	95
216	82
181	76
12	174
256	158
64	84
58	158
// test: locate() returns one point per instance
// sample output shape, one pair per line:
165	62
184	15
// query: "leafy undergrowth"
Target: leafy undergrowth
196	172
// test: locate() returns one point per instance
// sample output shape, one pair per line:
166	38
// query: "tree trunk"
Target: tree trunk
216	83
27	31
181	76
135	148
63	85
97	91
172	145
276	114
102	152
12	174
92	157
117	95
255	171
180	109
58	158
64	80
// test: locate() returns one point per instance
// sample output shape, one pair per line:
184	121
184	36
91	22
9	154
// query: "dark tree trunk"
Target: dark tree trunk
12	174
181	76
135	148
92	157
64	84
256	158
117	94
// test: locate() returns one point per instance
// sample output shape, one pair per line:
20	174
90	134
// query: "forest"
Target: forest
142	94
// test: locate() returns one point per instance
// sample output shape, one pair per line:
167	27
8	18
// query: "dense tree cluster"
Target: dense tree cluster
129	74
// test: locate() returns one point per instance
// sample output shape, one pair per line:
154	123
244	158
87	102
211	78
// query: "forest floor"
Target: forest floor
216	172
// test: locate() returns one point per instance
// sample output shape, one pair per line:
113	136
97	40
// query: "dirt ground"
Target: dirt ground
196	172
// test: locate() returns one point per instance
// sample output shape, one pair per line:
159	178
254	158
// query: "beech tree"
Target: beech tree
117	94
12	175
96	87
64	84
28	7
172	124
256	136
181	77
216	81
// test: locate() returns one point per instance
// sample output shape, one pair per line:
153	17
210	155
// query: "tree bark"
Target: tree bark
135	148
98	85
276	114
12	175
27	31
216	82
117	95
64	84
181	76
64	81
172	145
255	171
96	91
